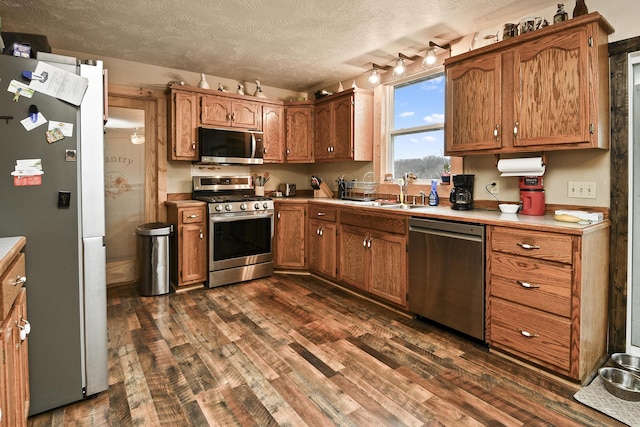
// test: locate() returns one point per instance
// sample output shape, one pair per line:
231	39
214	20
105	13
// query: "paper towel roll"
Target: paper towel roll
528	166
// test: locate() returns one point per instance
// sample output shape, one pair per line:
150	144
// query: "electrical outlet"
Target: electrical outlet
582	190
494	187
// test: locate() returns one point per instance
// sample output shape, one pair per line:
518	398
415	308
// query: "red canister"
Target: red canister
531	195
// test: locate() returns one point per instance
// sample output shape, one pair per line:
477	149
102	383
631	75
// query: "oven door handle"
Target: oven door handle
231	218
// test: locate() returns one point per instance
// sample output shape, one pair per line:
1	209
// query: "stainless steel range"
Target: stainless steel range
240	229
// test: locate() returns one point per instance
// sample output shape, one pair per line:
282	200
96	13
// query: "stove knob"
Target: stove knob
218	208
256	206
265	205
243	207
227	207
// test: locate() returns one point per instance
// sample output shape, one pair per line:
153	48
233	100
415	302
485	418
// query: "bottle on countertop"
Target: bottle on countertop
433	195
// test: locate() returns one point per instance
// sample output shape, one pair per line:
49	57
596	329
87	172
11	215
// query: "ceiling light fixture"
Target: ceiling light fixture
400	69
136	138
374	76
431	59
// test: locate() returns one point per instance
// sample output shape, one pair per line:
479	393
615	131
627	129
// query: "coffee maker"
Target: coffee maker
461	196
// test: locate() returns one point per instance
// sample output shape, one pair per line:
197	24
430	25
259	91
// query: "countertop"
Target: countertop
9	247
477	216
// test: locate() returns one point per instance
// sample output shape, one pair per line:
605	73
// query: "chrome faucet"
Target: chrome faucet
423	196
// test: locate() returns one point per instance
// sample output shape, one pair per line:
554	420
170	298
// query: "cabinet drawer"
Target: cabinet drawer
538	284
391	224
530	333
10	284
192	215
322	213
536	244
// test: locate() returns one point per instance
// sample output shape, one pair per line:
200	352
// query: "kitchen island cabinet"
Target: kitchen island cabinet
321	238
544	90
289	236
189	244
14	330
373	254
344	126
547	298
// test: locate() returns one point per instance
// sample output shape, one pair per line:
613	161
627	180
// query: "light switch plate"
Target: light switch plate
581	190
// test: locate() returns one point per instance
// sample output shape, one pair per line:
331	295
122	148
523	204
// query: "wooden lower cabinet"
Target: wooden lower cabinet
289	235
547	297
189	242
321	240
373	254
14	330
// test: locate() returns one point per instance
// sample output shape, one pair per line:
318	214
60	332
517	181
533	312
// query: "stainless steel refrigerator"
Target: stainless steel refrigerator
63	220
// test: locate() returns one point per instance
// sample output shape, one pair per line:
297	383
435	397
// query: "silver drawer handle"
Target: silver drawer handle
20	280
321	213
527	285
528	334
193	216
527	246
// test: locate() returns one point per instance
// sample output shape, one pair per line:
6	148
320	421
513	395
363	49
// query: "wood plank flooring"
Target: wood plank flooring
296	351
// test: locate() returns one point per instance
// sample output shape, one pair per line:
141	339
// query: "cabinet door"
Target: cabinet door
246	115
185	125
322	247
473	105
192	253
389	267
290	236
323	132
273	128
21	348
342	121
299	135
354	256
215	110
551	99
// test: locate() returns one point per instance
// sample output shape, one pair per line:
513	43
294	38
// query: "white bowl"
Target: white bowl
508	208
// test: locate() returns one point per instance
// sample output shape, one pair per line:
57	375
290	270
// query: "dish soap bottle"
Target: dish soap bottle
433	195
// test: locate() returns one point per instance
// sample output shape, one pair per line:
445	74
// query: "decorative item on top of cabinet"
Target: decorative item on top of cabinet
580	9
321	239
299	119
509	96
183	128
547	297
344	126
189	246
289	235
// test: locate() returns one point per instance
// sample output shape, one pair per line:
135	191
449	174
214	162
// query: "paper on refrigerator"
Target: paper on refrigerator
60	84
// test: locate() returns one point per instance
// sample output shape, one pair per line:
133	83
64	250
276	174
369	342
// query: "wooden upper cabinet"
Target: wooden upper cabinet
273	122
344	126
183	108
216	110
543	90
299	133
473	104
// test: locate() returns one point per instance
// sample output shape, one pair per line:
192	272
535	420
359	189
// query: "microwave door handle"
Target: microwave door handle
253	145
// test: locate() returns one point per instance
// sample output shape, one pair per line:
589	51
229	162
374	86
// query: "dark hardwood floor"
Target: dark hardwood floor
293	350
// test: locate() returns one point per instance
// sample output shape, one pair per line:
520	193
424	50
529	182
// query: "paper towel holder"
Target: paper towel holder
542	155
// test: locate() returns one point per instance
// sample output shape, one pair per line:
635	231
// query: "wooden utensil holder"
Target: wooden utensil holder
323	192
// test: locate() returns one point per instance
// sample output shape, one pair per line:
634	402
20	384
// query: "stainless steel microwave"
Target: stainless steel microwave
224	146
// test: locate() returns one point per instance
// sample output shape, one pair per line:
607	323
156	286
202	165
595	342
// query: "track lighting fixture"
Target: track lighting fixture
400	69
431	58
374	76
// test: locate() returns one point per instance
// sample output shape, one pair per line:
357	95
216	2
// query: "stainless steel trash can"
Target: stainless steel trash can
153	258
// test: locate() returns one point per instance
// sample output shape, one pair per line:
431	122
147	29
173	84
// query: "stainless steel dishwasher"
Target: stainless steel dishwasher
446	274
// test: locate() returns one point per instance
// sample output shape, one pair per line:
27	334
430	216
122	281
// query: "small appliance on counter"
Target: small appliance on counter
531	195
461	196
287	190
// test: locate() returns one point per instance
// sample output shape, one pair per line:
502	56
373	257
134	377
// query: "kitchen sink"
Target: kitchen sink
375	203
407	207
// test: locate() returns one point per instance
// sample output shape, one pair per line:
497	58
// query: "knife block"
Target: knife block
323	192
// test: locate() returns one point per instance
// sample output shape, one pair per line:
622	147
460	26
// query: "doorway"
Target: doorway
134	153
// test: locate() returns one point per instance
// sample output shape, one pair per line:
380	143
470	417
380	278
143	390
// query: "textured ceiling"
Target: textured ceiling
291	44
